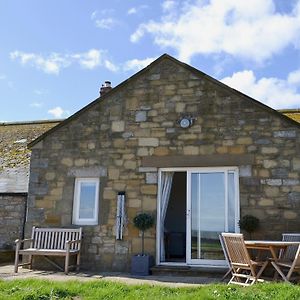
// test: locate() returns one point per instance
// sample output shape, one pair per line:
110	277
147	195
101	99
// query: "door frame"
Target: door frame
188	218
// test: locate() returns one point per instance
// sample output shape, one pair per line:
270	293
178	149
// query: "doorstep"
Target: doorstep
190	271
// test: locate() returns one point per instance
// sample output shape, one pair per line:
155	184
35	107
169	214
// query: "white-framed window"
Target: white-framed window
86	201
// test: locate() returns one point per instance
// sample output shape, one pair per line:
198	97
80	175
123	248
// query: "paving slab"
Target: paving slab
7	273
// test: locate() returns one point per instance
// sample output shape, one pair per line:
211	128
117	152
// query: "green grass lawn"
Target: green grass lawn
32	289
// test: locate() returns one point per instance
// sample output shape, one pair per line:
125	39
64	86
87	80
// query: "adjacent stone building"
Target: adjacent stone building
182	146
14	176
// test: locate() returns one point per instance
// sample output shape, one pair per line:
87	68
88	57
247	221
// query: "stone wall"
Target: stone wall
12	213
111	137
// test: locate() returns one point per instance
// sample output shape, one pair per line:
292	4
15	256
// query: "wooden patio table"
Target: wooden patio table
272	246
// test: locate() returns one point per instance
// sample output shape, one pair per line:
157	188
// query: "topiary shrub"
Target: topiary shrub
143	221
249	223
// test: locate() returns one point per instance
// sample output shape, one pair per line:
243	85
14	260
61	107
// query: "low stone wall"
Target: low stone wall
12	213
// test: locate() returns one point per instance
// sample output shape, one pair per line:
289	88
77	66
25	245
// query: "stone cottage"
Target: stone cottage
14	176
183	146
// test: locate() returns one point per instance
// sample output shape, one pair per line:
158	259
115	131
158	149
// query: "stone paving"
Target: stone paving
7	273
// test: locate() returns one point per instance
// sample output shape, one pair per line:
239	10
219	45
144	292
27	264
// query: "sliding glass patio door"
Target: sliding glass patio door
212	208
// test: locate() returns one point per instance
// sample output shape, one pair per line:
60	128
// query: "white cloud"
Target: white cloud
40	92
90	59
94	14
137	64
36	104
110	66
106	23
51	64
168	5
104	19
132	11
294	78
244	29
274	92
137	9
58	112
54	62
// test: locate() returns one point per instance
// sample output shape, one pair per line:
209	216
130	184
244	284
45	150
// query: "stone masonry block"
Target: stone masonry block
141	116
152	142
118	126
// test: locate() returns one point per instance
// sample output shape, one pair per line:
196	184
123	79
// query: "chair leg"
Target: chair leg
288	276
262	269
227	273
279	271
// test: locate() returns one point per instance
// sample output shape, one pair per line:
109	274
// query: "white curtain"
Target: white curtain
166	185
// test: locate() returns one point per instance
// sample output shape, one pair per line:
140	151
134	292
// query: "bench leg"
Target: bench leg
30	261
16	261
17	257
67	263
78	262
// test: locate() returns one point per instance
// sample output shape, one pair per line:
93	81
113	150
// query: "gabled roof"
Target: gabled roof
14	154
195	71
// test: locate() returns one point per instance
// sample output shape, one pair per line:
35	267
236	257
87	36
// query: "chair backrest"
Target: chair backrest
236	250
290	252
55	238
297	258
224	249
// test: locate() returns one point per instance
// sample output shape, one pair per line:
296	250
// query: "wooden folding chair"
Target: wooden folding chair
290	252
226	257
244	270
285	262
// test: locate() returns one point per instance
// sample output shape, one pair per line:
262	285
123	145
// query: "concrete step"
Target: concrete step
214	272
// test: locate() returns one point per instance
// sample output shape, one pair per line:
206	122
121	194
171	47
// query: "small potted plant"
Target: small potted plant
141	263
249	223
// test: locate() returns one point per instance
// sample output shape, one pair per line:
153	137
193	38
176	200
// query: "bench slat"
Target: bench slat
49	252
40	229
55	240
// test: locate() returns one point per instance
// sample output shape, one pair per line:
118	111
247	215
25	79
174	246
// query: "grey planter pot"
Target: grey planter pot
141	264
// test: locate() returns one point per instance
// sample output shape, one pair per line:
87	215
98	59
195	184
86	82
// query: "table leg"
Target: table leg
273	252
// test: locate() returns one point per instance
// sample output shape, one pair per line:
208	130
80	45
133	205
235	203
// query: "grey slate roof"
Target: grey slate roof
14	154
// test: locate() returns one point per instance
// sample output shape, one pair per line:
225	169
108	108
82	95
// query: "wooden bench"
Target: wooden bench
51	242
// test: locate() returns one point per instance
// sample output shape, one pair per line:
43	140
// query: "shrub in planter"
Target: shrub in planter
249	223
141	263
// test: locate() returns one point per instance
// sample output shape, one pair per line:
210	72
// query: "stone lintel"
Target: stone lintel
214	160
88	172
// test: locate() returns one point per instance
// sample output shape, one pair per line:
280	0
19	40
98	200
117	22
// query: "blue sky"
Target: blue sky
54	55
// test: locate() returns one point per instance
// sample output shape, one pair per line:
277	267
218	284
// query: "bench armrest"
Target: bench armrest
18	241
73	241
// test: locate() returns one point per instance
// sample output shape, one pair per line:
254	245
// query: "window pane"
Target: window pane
207	214
195	216
87	200
231	203
212	217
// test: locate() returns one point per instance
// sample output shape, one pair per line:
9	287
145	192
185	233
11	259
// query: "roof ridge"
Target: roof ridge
31	122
